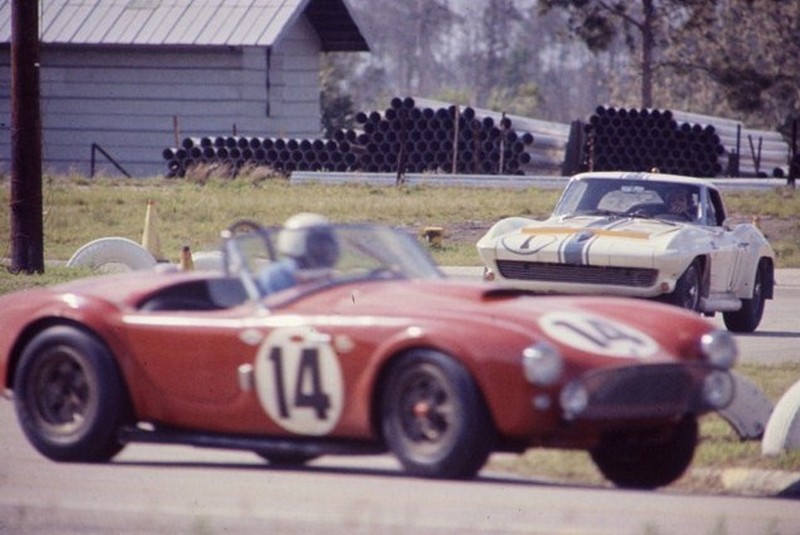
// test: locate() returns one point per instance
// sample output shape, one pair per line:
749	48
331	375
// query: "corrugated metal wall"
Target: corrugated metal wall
125	99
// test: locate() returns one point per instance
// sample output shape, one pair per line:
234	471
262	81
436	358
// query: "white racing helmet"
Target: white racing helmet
309	239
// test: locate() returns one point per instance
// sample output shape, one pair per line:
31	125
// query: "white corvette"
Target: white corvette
640	235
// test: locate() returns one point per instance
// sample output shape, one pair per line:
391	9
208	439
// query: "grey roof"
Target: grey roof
189	22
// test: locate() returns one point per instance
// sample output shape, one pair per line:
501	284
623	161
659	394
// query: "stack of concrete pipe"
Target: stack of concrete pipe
440	139
544	156
642	140
681	143
417	135
403	138
748	152
283	155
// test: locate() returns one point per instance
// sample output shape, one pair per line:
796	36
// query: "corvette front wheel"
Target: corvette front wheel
747	318
688	289
69	396
434	418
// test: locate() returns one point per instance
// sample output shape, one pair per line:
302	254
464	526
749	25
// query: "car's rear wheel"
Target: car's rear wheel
434	418
646	459
747	318
688	289
69	396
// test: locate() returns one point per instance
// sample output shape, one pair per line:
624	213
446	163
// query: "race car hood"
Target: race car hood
475	307
578	240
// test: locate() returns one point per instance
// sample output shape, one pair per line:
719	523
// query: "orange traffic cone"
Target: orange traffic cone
150	239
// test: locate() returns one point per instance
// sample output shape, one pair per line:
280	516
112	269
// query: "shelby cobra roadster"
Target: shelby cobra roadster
317	338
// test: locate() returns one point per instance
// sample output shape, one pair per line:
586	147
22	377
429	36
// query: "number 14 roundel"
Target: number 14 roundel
299	380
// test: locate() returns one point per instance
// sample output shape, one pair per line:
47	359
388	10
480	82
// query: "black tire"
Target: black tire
689	289
434	418
69	396
747	318
647	459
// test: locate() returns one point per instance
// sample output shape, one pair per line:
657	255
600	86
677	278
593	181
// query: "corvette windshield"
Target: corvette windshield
630	198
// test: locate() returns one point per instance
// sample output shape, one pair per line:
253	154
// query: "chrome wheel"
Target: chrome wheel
69	396
60	393
434	418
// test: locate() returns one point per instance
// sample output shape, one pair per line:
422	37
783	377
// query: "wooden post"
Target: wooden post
27	233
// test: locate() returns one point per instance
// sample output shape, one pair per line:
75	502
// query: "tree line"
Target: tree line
559	59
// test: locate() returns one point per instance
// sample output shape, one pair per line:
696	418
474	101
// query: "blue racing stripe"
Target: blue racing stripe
573	250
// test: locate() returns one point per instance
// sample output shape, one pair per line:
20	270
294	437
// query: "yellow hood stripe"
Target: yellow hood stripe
596	232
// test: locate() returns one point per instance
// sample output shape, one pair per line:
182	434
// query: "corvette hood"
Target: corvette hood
581	240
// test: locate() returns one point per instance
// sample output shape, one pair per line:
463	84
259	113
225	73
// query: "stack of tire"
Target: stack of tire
403	138
620	139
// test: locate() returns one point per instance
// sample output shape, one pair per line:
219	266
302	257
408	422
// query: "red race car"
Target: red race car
317	339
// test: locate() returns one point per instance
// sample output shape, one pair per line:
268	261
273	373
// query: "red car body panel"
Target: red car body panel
181	366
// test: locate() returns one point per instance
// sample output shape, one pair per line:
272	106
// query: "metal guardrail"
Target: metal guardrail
494	181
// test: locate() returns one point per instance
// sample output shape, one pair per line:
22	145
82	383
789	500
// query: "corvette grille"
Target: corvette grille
617	276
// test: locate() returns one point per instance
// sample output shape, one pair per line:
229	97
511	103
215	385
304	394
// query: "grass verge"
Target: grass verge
193	212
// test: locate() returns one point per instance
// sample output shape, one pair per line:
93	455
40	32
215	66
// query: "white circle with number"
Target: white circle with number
299	380
598	335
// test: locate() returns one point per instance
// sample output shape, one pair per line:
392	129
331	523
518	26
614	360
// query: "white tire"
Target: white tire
112	254
783	428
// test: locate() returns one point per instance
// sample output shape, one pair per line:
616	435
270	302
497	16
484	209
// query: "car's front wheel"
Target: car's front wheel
688	290
747	318
647	459
434	418
69	396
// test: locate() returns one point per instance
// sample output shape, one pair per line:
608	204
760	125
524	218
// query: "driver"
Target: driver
307	250
678	204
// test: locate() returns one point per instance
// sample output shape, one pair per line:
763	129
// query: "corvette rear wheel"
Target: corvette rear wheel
647	459
434	418
69	396
747	318
688	289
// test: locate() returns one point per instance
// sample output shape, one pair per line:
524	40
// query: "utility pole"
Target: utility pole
27	229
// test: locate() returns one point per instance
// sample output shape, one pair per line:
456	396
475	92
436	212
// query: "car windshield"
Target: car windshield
631	198
330	255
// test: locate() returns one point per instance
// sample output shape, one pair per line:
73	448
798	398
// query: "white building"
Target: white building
135	76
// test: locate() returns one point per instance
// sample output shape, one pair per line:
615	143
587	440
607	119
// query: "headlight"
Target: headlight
574	399
719	347
542	364
718	389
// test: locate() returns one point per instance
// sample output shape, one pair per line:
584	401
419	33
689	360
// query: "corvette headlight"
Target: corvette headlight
719	347
542	364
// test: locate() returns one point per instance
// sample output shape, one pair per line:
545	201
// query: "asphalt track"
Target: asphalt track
178	490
